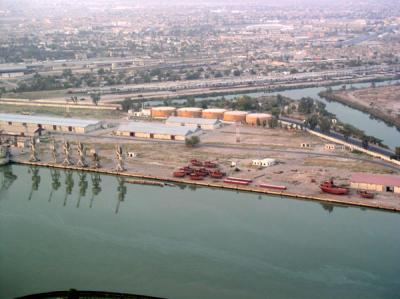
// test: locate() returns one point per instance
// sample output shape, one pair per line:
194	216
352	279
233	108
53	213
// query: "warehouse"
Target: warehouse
196	123
376	182
28	125
156	131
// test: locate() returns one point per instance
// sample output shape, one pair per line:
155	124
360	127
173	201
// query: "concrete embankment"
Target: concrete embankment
252	189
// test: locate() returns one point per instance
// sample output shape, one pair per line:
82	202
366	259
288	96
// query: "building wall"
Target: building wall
29	129
190	125
148	135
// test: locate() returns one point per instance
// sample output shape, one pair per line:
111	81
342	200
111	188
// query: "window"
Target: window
389	189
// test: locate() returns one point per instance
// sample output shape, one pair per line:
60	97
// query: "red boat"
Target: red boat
276	187
210	164
196	162
195	177
217	174
229	181
365	194
239	179
179	174
330	187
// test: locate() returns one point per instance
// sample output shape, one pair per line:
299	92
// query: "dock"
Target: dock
151	180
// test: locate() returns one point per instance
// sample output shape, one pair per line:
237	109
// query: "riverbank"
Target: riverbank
393	206
373	111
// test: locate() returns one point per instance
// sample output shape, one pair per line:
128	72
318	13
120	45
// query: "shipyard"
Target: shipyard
232	149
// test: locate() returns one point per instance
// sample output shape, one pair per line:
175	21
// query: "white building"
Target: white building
153	130
196	123
264	162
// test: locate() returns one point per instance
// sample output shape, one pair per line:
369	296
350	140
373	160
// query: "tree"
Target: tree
306	105
190	102
192	141
312	121
74	99
324	124
276	112
273	122
95	98
279	100
66	73
126	104
346	132
397	151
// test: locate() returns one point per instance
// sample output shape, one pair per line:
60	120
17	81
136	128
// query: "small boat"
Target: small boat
210	164
365	194
239	179
196	162
330	187
276	187
228	181
179	174
217	174
195	177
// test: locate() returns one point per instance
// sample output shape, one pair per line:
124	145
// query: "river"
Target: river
62	230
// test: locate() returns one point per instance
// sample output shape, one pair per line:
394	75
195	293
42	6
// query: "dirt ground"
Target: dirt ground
300	170
385	99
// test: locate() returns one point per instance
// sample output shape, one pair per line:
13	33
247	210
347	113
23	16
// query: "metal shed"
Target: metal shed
155	131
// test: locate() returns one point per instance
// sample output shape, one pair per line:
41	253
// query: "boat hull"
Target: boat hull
335	190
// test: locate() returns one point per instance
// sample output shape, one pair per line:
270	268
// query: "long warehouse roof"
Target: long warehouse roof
154	128
192	120
47	120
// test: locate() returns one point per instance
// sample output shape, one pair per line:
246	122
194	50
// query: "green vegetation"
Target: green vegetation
192	141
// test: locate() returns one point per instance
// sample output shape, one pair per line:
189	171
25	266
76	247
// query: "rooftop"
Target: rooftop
378	179
192	120
46	120
156	128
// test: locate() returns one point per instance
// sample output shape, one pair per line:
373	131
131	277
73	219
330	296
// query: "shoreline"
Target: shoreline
251	189
379	115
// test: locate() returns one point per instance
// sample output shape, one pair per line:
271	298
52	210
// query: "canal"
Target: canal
62	230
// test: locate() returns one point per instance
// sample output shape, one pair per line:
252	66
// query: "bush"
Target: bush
192	141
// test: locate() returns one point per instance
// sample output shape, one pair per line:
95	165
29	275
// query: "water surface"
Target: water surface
62	230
